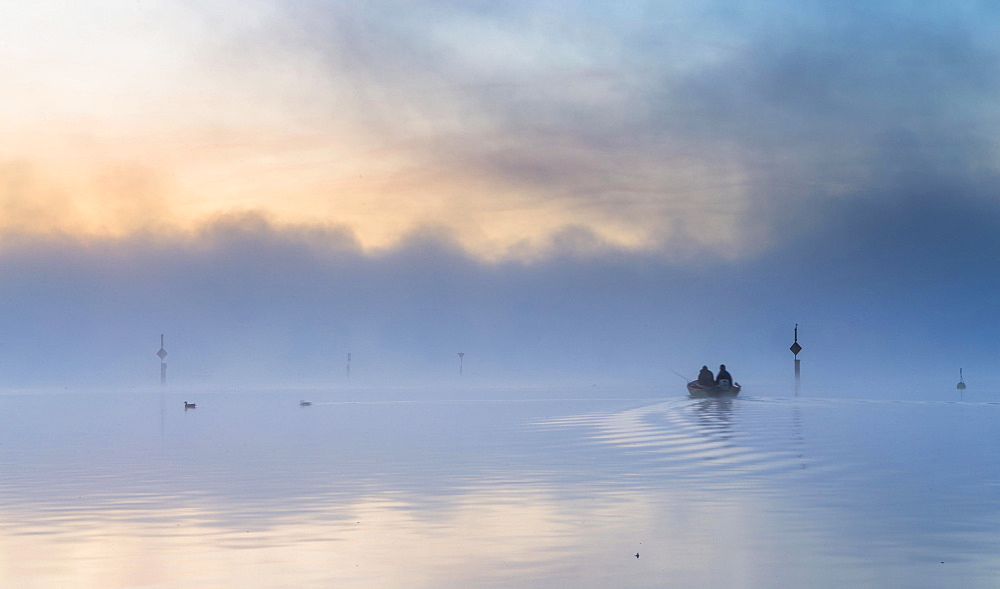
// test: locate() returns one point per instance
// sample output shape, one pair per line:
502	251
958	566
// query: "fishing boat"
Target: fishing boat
722	389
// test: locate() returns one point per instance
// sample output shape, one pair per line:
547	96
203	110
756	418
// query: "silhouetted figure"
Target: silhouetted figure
723	376
705	377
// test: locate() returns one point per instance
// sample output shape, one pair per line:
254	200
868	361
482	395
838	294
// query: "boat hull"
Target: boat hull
700	391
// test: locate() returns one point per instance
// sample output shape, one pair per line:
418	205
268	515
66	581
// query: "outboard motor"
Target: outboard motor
724	384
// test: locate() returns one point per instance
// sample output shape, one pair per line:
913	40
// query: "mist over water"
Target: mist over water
264	306
549	487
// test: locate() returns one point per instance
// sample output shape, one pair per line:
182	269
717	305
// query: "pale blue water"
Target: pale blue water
501	488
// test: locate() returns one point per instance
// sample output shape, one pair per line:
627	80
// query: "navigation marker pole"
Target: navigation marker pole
796	348
163	365
461	361
348	366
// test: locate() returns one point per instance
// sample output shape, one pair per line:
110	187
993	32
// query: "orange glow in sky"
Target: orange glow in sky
155	117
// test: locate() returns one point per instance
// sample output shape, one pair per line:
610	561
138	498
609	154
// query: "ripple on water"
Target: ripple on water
708	439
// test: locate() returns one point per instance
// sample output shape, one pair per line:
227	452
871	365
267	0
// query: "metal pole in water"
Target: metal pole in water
796	348
163	365
798	376
461	361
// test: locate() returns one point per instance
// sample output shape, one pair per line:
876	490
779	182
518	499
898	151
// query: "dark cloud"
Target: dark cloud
629	111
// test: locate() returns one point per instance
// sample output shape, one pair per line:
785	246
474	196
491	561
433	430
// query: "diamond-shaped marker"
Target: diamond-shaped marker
162	353
796	348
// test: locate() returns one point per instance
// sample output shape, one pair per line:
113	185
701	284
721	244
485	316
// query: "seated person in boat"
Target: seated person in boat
723	375
705	377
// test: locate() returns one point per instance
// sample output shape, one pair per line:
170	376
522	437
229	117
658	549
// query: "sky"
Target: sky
576	192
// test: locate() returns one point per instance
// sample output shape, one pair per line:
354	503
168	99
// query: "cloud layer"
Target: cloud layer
688	128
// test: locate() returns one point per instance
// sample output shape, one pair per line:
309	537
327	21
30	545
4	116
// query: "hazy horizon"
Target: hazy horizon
250	303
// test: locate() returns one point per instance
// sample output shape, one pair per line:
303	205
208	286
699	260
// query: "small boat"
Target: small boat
304	403
723	389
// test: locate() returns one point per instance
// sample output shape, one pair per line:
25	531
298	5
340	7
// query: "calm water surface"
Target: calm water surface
506	489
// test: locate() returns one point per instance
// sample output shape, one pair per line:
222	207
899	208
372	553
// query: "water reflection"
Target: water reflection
253	491
715	415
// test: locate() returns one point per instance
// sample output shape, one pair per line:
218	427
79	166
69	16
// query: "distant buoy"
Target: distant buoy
961	381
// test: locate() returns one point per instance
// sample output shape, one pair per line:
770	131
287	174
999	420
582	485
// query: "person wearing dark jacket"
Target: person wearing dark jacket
705	377
723	374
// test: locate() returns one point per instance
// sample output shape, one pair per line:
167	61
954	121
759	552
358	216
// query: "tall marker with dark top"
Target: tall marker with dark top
163	365
796	348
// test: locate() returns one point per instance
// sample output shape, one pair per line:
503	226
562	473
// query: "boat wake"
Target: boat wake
700	439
